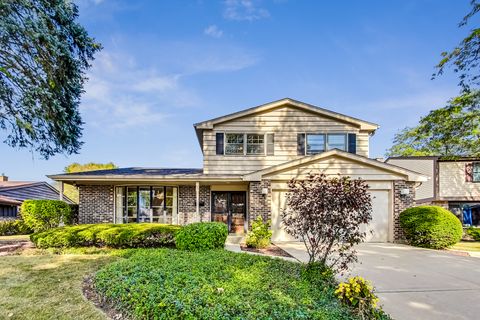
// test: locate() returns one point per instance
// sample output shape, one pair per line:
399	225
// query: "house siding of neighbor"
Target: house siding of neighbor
248	157
454	184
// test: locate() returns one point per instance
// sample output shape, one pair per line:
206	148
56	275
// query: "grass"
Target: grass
21	237
215	284
467	246
47	286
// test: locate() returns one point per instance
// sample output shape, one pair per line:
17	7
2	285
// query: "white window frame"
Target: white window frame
245	134
326	147
475	165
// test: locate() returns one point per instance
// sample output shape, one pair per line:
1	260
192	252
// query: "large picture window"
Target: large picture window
146	204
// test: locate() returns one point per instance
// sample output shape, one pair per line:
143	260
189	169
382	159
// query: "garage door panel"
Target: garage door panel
377	229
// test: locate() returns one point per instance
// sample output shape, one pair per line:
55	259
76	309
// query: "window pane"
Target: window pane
233	143
119	201
157	200
315	143
336	141
255	144
476	171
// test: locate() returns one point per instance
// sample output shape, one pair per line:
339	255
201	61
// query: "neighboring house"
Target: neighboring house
13	193
454	184
248	157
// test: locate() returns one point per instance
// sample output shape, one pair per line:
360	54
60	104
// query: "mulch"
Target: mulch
91	295
272	250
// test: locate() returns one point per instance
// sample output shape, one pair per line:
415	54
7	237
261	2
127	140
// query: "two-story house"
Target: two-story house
248	157
454	184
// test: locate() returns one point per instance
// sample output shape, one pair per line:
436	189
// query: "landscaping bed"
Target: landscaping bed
214	284
271	250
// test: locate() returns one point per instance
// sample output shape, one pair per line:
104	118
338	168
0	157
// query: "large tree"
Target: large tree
44	54
71	191
453	130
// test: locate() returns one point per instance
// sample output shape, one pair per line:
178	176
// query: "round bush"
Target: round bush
431	227
41	215
202	236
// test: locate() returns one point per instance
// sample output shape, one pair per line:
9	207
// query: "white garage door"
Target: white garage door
379	224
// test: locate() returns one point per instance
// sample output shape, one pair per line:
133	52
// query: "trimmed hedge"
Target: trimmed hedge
215	284
14	227
41	215
134	235
202	236
431	227
474	233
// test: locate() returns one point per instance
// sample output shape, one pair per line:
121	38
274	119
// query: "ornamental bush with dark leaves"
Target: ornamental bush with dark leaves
327	215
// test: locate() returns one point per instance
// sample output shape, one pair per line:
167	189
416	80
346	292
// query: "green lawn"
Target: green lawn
47	286
467	246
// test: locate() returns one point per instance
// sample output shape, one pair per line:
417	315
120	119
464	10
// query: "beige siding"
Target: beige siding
425	166
285	122
333	166
452	181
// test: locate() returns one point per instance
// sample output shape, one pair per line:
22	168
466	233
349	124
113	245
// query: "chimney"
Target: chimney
3	178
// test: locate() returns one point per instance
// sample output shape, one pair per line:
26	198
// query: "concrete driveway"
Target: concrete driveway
415	283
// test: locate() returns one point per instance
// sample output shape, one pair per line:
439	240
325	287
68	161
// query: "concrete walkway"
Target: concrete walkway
415	283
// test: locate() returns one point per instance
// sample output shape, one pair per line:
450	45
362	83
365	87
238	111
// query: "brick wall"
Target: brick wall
401	202
260	204
95	204
187	207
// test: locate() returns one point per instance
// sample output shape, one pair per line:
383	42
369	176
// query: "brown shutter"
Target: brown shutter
469	172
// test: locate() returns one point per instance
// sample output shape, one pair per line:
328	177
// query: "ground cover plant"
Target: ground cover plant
431	227
214	284
134	235
202	236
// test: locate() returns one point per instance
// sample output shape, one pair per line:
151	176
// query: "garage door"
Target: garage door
379	224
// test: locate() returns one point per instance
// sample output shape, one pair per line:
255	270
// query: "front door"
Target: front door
230	207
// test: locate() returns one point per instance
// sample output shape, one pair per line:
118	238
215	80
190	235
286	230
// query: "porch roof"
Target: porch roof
144	175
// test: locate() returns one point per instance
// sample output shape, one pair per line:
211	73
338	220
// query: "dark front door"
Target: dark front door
230	207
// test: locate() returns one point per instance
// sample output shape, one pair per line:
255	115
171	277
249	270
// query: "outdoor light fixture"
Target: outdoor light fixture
405	192
264	191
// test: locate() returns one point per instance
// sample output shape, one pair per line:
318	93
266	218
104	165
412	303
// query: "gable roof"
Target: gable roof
409	174
9	201
209	124
25	190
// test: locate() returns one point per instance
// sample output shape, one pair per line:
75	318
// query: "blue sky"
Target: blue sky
168	64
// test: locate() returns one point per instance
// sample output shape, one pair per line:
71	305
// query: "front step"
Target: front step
234	238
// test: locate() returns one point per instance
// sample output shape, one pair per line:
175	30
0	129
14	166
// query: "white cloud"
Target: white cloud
213	31
244	10
119	94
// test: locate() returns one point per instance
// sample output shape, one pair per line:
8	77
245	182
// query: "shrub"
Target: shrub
14	227
214	284
41	215
358	294
134	235
259	236
431	227
474	233
202	236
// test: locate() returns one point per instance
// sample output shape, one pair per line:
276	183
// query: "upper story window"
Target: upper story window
476	172
245	143
234	143
314	143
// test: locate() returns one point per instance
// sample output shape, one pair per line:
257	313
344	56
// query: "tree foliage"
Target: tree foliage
71	191
453	130
327	214
450	131
44	54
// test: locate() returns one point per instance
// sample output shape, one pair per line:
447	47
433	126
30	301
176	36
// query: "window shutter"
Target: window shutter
301	144
270	144
352	143
219	142
469	172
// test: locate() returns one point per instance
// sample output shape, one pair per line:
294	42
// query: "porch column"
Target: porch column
60	197
197	199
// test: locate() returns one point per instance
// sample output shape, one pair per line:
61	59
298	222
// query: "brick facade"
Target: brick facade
187	206
96	204
401	202
259	204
